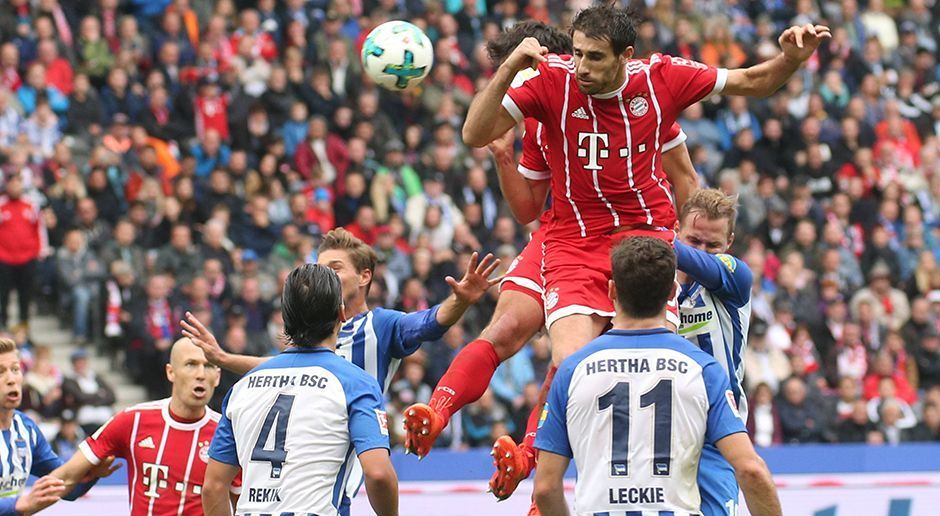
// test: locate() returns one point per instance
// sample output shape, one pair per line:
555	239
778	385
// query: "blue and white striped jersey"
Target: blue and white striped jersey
378	339
634	409
715	310
26	452
294	425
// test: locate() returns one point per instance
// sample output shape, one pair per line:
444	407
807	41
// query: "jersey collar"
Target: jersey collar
649	331
306	350
165	409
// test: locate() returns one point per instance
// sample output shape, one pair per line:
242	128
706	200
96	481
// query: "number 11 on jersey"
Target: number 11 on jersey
618	400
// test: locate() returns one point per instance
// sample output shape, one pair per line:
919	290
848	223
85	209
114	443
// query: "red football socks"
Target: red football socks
532	425
466	379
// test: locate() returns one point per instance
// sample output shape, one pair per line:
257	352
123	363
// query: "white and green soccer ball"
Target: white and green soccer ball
397	55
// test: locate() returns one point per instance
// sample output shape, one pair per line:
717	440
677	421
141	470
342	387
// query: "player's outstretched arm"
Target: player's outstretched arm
79	474
761	80
487	119
549	484
752	474
216	486
381	481
681	173
206	341
469	289
526	197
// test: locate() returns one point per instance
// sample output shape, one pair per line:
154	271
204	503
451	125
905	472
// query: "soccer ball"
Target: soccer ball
397	55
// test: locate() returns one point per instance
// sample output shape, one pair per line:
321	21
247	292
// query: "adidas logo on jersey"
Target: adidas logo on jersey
146	443
579	113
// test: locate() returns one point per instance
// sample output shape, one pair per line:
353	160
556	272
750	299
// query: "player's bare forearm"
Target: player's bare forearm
525	197
681	174
240	364
762	79
216	488
760	493
72	472
381	481
452	309
549	484
486	118
752	474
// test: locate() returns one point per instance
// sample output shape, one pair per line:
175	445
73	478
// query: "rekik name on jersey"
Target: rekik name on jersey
605	149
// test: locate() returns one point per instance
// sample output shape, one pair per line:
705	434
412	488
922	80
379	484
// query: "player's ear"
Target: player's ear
169	373
342	313
730	239
612	291
365	277
627	54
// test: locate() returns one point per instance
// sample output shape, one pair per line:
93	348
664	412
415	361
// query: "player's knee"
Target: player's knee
507	334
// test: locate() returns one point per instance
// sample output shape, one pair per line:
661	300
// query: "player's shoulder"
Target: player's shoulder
147	407
28	421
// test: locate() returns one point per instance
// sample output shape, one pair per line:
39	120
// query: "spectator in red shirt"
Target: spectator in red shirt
24	238
883	367
211	110
58	69
264	45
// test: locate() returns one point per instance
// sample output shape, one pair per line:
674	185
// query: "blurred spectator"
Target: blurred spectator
763	420
801	417
42	385
23	235
70	435
856	427
764	364
87	394
80	272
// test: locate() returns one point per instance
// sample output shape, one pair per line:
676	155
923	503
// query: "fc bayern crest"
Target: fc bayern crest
204	451
639	106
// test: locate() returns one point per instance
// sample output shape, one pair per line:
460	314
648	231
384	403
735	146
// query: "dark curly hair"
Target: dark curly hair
310	304
555	40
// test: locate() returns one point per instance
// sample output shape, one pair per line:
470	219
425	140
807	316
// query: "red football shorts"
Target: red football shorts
576	273
525	273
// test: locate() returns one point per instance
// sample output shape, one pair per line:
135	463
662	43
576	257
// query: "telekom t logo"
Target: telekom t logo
155	476
596	149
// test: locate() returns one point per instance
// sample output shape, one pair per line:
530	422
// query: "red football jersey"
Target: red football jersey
166	457
605	149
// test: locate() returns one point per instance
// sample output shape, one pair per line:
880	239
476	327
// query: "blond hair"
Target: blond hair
7	346
362	256
713	205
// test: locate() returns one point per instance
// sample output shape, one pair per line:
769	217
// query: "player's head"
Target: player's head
602	39
11	375
311	305
352	259
555	40
194	378
644	272
707	221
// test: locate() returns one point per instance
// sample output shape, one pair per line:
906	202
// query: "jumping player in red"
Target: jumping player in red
603	115
519	312
165	442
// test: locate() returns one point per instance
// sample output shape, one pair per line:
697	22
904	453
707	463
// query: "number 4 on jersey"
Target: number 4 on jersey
277	418
618	400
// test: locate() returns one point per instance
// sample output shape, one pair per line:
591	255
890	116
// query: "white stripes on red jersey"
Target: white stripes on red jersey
167	457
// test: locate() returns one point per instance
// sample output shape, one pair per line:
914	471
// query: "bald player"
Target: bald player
165	442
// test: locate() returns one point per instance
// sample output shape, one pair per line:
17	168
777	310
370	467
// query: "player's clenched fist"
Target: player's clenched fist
529	53
800	41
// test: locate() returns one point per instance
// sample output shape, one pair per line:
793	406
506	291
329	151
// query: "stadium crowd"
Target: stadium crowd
167	156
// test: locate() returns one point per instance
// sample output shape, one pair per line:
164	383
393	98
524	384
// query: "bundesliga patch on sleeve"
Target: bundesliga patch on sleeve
728	260
544	415
383	421
734	405
522	76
